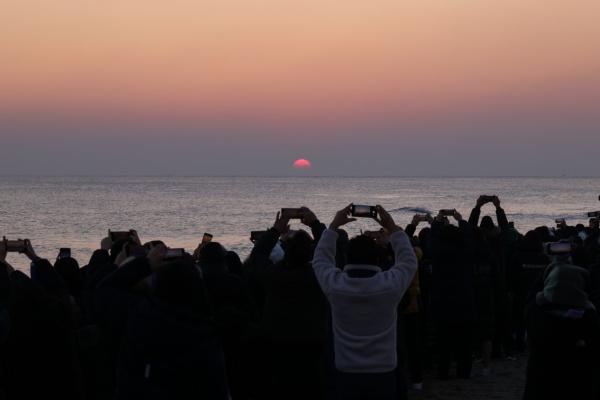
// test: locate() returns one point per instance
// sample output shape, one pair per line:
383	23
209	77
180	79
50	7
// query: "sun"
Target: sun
301	163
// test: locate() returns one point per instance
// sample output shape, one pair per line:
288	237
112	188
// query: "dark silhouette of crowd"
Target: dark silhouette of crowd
309	314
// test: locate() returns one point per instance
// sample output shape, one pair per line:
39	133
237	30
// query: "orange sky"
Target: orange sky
299	58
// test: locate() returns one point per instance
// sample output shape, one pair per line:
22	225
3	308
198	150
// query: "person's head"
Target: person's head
532	242
213	256
544	233
488	228
179	284
567	286
234	263
451	236
424	240
49	279
68	269
487	223
362	250
118	246
298	249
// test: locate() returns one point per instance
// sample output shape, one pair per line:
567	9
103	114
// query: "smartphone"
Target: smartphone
488	198
207	237
560	221
64	252
358	210
14	246
174	253
256	235
594	214
373	234
447	212
558	248
119	235
291	213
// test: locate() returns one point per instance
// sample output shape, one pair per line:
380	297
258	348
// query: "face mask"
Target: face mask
277	254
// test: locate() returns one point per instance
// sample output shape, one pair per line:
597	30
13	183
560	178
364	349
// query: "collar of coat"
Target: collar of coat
361	270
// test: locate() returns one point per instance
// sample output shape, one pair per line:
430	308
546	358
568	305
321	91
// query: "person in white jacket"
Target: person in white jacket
364	301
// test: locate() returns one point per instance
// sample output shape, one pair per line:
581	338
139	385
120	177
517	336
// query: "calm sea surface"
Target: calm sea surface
76	212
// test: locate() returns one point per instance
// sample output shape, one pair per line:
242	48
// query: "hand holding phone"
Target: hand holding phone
256	235
292	213
173	254
363	211
207	237
447	212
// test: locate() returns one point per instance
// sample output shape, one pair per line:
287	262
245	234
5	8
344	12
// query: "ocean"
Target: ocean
76	212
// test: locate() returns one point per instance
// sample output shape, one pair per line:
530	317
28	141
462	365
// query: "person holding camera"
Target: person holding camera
364	304
293	320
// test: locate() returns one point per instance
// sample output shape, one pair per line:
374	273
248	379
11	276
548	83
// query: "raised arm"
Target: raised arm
259	257
500	215
310	219
324	258
476	212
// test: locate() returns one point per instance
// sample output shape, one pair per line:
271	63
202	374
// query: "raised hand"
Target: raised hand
308	217
457	216
496	201
106	243
342	217
416	219
3	250
29	251
481	201
386	221
282	224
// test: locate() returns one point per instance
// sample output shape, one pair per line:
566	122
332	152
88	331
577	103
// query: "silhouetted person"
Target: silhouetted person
170	347
563	335
294	314
452	296
235	316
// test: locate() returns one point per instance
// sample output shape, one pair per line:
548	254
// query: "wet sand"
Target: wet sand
506	382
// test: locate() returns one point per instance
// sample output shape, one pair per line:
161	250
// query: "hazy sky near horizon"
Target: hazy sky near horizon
381	87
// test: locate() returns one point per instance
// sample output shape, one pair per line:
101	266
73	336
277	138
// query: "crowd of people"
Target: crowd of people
310	314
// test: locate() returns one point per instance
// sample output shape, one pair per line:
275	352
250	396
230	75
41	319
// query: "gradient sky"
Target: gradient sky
411	87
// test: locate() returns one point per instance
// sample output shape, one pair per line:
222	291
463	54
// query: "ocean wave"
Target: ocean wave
418	210
567	217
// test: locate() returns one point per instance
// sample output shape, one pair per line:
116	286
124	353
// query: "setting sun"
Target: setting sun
301	163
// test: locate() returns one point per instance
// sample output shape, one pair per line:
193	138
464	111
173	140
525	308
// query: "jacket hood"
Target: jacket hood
565	285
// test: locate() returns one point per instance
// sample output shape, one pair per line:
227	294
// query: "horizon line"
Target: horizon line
4	175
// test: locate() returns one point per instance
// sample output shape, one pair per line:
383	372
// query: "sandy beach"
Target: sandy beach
506	382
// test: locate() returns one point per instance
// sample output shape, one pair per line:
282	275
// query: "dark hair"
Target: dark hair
362	250
48	279
298	249
117	247
234	264
179	284
532	242
212	254
68	269
487	222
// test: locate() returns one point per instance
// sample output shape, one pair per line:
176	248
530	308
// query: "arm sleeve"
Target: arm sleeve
324	260
502	220
317	228
474	217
